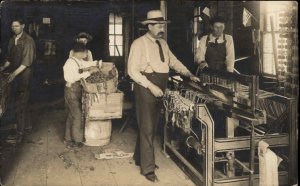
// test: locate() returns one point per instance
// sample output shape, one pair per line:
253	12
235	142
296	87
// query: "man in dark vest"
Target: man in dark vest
148	65
21	55
216	50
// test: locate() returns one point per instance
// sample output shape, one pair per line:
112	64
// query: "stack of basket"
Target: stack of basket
102	101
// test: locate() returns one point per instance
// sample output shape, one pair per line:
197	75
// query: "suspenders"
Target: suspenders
79	70
147	55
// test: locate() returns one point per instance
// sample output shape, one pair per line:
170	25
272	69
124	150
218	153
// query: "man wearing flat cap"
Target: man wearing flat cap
216	50
148	65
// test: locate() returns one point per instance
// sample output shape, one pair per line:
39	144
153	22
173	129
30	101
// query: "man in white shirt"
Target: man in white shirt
73	93
148	65
216	50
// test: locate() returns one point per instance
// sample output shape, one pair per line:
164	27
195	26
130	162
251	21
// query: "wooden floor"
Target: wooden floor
41	159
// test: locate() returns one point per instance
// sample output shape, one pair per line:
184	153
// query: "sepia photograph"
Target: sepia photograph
149	92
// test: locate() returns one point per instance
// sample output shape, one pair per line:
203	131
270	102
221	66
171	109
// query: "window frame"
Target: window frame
115	45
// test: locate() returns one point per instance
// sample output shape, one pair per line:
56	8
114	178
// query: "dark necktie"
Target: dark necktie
216	40
161	53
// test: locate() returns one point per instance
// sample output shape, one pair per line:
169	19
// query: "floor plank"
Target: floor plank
44	160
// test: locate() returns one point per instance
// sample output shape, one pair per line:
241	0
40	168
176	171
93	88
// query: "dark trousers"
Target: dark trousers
74	126
21	91
148	110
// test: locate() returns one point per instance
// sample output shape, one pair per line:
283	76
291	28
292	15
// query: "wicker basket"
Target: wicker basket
109	86
103	106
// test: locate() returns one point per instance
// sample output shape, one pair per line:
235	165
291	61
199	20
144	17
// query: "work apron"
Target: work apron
148	109
215	55
20	89
74	126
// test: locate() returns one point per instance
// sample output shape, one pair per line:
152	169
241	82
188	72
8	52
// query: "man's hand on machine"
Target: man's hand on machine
155	90
194	78
202	65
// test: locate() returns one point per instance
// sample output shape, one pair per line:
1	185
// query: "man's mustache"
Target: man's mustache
161	33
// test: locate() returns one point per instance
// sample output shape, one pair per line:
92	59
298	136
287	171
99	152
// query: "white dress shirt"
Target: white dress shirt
71	69
230	56
138	62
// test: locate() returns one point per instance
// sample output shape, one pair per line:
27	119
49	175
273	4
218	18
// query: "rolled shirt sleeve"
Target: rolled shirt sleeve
28	53
201	50
230	55
134	61
89	64
71	72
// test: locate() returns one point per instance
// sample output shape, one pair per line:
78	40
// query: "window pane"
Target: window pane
111	29
274	8
111	39
119	40
118	19
268	56
118	29
112	50
111	18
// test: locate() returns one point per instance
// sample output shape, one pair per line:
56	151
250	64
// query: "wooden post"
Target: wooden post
231	124
274	49
163	8
126	35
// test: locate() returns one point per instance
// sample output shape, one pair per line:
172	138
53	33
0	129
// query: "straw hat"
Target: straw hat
155	17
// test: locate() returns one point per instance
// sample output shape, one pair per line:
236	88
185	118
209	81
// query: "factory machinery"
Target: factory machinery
4	93
213	128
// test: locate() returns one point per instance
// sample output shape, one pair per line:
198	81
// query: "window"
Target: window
279	12
115	35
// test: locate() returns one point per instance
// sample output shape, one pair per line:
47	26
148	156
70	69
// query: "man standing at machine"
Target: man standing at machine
216	50
148	65
21	55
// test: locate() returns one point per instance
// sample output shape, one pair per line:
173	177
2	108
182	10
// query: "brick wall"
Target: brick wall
288	50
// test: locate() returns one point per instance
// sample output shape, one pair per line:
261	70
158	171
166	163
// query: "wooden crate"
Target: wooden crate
103	106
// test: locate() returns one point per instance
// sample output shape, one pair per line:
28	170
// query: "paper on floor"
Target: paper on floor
114	154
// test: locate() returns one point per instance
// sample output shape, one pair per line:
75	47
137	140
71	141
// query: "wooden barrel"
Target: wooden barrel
97	133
